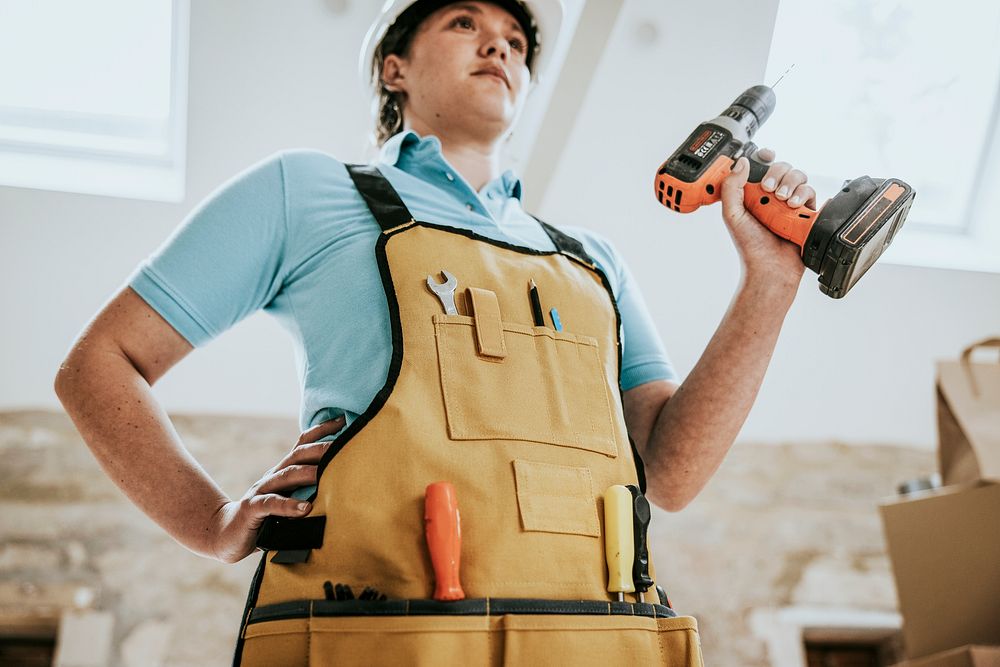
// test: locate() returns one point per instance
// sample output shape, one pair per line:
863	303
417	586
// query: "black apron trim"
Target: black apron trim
283	533
640	467
565	243
382	199
247	610
475	607
290	556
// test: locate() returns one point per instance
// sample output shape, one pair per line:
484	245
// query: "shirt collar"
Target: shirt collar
405	144
409	148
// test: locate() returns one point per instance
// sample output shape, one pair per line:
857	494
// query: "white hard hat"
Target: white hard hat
546	16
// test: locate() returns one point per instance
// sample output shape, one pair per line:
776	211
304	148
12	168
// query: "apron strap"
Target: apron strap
390	211
383	200
565	243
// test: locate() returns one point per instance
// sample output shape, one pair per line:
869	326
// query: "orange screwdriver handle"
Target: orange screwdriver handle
443	529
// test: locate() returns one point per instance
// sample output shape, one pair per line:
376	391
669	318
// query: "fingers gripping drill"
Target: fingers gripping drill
839	242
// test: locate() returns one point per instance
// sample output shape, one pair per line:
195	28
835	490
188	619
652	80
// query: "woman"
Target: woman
529	421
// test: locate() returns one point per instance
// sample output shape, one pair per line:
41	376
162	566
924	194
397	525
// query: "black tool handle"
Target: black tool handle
640	524
758	167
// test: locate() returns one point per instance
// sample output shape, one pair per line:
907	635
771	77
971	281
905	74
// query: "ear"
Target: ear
394	73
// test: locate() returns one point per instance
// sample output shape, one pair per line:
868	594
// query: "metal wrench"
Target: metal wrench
445	291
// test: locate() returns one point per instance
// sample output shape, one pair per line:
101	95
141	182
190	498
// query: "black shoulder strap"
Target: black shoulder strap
383	200
565	243
390	211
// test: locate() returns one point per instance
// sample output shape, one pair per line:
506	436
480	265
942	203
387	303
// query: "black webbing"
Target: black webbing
382	199
565	243
291	534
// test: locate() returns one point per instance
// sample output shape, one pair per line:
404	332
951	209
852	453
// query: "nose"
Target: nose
496	45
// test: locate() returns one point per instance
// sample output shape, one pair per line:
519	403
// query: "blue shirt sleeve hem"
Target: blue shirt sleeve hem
170	306
647	372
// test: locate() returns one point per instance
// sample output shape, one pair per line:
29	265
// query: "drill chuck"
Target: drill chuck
751	108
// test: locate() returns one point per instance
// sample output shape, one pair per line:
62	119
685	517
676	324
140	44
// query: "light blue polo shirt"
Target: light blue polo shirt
292	235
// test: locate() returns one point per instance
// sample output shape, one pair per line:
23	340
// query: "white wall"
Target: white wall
266	76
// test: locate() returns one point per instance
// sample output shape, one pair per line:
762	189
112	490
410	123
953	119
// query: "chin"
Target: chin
493	111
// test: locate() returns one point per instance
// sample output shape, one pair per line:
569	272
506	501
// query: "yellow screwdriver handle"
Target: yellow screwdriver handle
619	547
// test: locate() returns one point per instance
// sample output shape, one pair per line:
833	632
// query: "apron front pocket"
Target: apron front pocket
549	387
491	632
555	498
600	641
277	642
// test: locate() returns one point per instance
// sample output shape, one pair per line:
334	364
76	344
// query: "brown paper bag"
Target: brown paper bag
968	402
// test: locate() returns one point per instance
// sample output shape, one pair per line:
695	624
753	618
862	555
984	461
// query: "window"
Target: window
93	96
897	88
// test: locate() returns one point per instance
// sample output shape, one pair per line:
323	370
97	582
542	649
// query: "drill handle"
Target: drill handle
791	224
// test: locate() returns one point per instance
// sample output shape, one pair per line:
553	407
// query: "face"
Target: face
465	69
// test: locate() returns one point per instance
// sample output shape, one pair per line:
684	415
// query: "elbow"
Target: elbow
61	382
669	499
671	489
671	503
67	379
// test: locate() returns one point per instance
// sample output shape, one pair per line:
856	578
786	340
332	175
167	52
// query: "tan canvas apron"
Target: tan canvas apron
525	421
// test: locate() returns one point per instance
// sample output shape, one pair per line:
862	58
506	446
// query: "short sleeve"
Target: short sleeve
224	261
644	358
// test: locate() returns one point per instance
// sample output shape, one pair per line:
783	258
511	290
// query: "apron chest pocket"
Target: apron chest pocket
517	382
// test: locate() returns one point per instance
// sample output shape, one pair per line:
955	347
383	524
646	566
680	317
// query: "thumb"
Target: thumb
262	506
732	190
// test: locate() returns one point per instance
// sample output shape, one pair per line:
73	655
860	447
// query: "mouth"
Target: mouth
495	72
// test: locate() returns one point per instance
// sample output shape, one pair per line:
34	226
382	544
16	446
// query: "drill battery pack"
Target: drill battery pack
853	229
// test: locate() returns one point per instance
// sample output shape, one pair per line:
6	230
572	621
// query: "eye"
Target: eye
463	22
518	44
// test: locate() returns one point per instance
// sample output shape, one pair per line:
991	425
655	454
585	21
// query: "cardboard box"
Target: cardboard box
945	551
944	544
967	656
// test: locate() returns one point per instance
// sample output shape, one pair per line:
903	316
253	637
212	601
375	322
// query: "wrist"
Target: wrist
770	287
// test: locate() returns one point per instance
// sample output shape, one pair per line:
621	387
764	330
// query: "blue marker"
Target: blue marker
554	314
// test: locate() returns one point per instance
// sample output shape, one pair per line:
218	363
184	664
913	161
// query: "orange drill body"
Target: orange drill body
792	224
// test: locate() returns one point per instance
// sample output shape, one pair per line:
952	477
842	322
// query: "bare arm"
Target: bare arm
104	384
684	432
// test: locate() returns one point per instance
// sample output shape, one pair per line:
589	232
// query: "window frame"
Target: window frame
975	246
972	246
100	154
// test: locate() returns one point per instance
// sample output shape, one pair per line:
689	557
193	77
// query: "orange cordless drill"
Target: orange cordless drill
839	242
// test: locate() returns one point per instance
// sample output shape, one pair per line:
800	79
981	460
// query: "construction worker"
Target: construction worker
409	378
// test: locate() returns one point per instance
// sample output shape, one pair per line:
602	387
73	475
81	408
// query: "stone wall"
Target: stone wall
779	526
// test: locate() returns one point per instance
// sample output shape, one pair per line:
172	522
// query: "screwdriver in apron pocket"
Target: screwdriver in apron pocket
443	530
618	546
641	516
